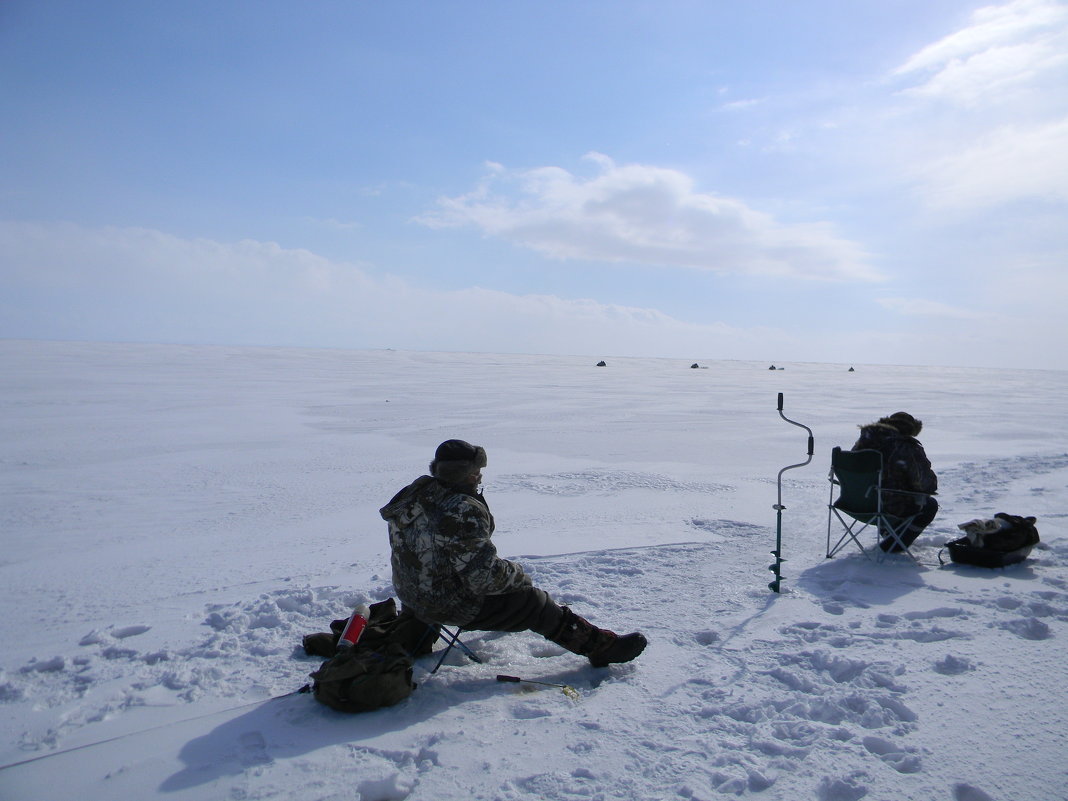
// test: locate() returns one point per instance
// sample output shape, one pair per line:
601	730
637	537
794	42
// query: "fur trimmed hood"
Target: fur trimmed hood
900	422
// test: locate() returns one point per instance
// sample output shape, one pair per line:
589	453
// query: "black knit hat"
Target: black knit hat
455	460
456	450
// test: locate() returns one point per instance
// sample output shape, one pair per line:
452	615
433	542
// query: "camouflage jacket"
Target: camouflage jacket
905	466
444	563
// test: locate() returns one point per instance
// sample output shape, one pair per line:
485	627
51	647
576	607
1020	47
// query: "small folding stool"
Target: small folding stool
452	639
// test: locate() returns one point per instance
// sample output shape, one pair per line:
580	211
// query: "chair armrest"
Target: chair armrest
909	492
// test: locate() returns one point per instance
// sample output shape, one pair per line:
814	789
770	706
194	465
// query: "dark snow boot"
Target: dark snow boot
600	646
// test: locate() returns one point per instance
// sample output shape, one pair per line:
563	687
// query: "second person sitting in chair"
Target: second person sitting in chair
905	467
446	570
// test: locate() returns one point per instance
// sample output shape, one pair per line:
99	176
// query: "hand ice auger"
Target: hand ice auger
777	553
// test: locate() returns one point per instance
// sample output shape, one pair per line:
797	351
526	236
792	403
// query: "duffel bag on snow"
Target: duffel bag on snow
384	625
1004	540
361	679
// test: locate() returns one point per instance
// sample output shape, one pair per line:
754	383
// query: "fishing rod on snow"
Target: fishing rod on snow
566	689
777	553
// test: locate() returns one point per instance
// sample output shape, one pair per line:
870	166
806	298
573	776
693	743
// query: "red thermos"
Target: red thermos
354	628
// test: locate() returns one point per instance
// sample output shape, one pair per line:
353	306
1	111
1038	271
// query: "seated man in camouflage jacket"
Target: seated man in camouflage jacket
447	571
905	467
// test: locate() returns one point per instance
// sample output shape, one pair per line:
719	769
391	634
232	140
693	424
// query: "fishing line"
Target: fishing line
304	689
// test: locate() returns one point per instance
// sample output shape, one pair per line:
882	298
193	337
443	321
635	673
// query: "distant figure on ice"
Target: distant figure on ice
905	467
446	569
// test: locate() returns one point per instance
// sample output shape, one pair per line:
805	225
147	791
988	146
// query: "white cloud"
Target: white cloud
740	105
920	307
66	281
650	215
1006	48
1035	288
1005	165
74	282
988	122
991	75
336	224
80	258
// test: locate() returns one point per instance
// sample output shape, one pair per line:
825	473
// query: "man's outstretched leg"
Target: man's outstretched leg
600	646
533	609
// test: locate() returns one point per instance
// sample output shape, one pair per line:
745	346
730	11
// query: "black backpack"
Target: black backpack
1010	544
377	672
361	679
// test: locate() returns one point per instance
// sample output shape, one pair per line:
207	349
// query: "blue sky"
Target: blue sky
882	181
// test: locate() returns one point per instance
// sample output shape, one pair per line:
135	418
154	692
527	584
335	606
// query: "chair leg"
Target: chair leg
453	640
895	535
850	534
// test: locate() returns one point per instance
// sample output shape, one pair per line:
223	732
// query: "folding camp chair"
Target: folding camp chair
858	475
452	639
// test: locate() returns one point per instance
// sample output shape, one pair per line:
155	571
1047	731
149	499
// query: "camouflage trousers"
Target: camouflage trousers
528	608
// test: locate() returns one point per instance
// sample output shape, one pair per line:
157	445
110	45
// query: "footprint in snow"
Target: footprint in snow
1028	628
707	637
253	749
97	637
114	652
931	614
847	788
393	786
933	634
901	760
530	711
953	666
129	631
53	665
966	792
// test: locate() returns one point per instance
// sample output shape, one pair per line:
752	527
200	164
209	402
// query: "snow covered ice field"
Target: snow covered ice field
174	519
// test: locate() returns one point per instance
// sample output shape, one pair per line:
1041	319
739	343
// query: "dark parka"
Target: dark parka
905	466
444	563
